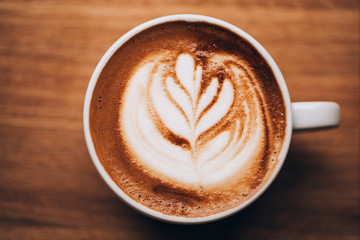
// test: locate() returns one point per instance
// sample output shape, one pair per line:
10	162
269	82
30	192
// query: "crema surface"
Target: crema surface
188	119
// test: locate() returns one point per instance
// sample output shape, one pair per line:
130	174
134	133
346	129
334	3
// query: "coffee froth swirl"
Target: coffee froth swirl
191	121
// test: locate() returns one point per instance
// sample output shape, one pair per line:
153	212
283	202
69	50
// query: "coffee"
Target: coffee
187	118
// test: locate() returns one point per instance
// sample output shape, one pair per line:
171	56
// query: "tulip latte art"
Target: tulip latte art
187	119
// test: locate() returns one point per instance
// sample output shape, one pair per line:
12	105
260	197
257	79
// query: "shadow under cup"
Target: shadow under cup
101	115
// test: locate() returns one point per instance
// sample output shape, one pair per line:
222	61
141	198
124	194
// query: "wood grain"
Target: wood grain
49	189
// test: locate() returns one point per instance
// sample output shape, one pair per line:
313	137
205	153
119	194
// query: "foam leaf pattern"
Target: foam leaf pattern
191	122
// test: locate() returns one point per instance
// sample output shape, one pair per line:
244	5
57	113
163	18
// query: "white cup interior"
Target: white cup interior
129	201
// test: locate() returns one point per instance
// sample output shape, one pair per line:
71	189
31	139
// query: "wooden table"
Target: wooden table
49	188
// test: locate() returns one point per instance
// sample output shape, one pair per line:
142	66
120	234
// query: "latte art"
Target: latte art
191	124
187	119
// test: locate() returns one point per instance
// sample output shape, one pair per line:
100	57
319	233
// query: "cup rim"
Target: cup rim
129	201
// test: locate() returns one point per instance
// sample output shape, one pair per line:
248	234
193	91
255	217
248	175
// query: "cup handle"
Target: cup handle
315	115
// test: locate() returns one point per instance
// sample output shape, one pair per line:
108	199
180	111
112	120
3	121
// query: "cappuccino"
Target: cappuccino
187	118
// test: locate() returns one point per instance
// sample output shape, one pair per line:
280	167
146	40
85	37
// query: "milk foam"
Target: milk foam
189	125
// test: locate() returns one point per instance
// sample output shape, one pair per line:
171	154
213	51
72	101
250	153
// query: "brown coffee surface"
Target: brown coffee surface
225	60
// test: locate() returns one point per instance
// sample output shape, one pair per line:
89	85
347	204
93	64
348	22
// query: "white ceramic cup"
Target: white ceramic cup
300	116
